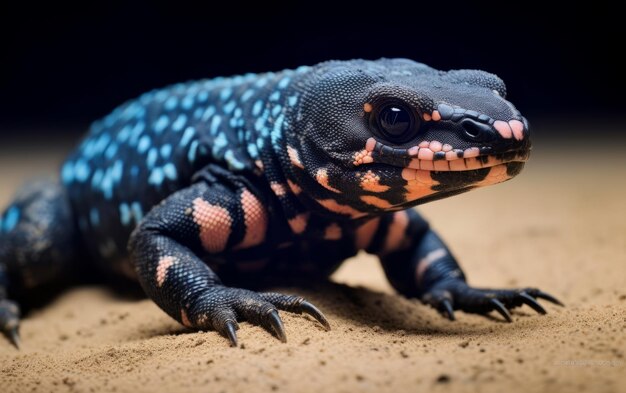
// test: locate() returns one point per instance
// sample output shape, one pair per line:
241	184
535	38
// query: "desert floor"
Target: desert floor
559	226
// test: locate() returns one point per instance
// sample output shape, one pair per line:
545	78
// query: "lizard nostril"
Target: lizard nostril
477	131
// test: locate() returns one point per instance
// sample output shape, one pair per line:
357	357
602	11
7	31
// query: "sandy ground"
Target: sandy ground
560	226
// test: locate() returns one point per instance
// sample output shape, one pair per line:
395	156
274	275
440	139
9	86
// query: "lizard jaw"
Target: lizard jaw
436	156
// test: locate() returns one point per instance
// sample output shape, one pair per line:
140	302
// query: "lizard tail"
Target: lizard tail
37	244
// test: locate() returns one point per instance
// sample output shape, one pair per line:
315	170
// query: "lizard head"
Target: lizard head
390	134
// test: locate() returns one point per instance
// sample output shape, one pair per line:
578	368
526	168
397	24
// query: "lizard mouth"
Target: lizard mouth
437	157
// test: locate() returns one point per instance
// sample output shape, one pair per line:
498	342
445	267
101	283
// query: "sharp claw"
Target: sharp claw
313	311
277	325
231	332
447	308
548	297
529	300
499	307
14	337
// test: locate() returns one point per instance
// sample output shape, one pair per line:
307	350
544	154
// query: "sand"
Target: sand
560	226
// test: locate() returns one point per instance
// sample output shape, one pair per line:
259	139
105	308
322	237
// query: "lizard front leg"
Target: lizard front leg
419	264
208	220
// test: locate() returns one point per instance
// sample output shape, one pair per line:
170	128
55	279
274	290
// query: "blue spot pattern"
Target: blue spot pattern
11	219
153	145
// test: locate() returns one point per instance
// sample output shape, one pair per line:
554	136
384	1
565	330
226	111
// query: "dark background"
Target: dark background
61	69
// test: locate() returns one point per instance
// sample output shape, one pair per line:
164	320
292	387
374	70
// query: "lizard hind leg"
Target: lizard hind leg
37	244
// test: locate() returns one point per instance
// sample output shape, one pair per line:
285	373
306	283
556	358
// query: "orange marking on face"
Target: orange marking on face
436	116
278	188
441	165
294	157
497	174
215	225
298	223
458	165
332	232
518	129
376	201
425	262
367	107
413	151
427	165
255	219
396	233
161	271
446	147
184	319
322	178
371	182
336	207
427	117
414	164
423	177
363	157
365	233
408	174
294	187
420	187
424	144
503	128
370	144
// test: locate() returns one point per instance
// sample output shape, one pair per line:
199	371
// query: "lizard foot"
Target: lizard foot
457	295
222	307
10	321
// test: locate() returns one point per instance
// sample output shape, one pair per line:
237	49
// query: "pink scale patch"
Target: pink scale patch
294	187
365	233
332	232
425	154
322	178
294	157
184	318
503	129
425	262
161	271
518	129
435	146
255	219
371	182
215	225
298	223
278	188
451	155
396	233
471	152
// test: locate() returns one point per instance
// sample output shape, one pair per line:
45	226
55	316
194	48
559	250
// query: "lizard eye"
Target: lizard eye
396	123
